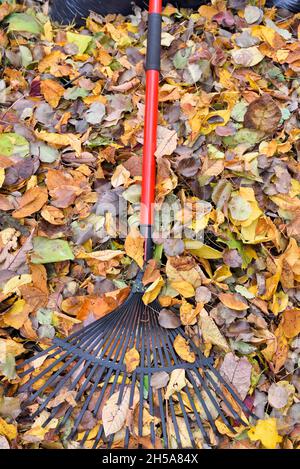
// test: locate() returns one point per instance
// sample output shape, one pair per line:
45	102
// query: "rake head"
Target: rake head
131	406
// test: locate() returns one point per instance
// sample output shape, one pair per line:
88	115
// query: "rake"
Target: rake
90	362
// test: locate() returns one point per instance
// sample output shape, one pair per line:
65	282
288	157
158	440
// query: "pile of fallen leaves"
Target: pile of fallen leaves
71	123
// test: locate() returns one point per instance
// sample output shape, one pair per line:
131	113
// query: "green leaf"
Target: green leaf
8	367
74	93
44	316
99	142
244	136
44	152
133	194
50	250
26	56
181	58
82	41
23	22
12	144
240	209
238	112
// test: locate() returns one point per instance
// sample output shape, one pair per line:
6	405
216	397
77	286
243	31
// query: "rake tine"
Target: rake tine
80	393
35	357
202	402
197	416
233	393
175	425
119	343
223	397
153	319
186	420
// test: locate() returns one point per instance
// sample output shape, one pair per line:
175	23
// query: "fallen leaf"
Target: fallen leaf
263	114
31	202
176	383
232	301
134	246
132	360
159	379
266	432
8	430
114	414
182	349
52	91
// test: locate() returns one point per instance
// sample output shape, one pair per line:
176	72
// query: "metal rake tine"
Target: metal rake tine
120	344
35	357
213	401
202	402
224	398
186	419
197	416
175	424
89	341
154	323
87	364
233	393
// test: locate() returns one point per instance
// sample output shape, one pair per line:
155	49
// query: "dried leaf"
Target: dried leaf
182	349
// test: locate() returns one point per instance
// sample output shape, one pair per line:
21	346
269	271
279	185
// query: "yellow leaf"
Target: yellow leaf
7	429
211	333
182	349
183	288
201	250
60	140
15	282
52	91
153	291
48	32
132	360
37	432
134	246
188	313
17	315
266	432
208	11
31	202
2	176
82	41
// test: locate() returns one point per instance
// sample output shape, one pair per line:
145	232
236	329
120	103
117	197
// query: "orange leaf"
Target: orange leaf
52	91
151	272
291	322
31	202
232	301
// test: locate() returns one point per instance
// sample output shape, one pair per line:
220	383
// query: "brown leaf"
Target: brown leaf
263	114
31	202
151	273
168	319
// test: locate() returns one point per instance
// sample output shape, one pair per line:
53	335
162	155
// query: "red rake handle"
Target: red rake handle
151	119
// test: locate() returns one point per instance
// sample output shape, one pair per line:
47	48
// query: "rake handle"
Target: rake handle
151	121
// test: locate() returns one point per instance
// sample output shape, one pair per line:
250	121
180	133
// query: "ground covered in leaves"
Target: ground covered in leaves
71	122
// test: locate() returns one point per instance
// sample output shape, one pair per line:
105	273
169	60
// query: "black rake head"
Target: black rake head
130	405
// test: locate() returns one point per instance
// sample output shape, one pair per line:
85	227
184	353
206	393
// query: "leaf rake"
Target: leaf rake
90	363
